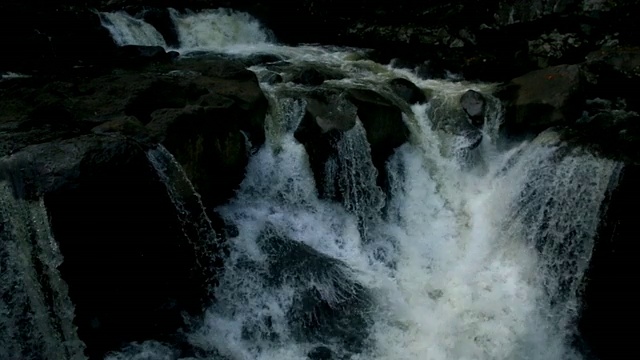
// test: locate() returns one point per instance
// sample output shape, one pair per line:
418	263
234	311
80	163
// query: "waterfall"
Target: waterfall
127	30
218	30
35	310
474	251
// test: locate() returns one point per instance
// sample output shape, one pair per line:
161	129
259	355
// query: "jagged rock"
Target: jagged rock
407	91
543	98
474	104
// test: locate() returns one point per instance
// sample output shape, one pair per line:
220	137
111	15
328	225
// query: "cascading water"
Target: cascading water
127	30
35	310
474	252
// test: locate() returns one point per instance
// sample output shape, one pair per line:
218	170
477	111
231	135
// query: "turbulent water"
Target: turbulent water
471	252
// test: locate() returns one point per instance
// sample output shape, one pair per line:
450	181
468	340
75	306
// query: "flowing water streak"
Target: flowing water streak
35	311
127	30
196	225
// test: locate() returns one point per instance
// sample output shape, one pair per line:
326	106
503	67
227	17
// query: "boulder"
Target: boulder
543	98
474	105
206	141
131	269
407	91
332	111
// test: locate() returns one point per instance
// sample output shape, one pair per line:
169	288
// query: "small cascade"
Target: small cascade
196	225
351	177
218	30
558	211
35	310
127	30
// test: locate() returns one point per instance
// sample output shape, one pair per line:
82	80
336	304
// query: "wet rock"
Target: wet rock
407	91
331	111
384	125
610	305
131	271
126	125
271	78
162	93
314	316
207	141
543	98
474	106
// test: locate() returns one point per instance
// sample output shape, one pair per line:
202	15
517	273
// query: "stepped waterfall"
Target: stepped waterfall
459	245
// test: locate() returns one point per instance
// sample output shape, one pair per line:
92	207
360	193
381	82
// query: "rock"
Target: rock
385	127
126	125
131	271
609	72
543	98
207	141
271	78
407	91
609	301
138	55
473	104
332	111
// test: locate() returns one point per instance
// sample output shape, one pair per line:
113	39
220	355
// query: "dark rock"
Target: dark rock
474	104
162	94
610	304
126	125
542	99
332	111
139	55
320	353
610	72
385	128
144	273
131	270
310	76
407	91
271	78
207	141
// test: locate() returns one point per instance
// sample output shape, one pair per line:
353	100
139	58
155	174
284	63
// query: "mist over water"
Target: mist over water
474	252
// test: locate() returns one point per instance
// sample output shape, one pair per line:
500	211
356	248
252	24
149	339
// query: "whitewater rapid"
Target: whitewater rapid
473	253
